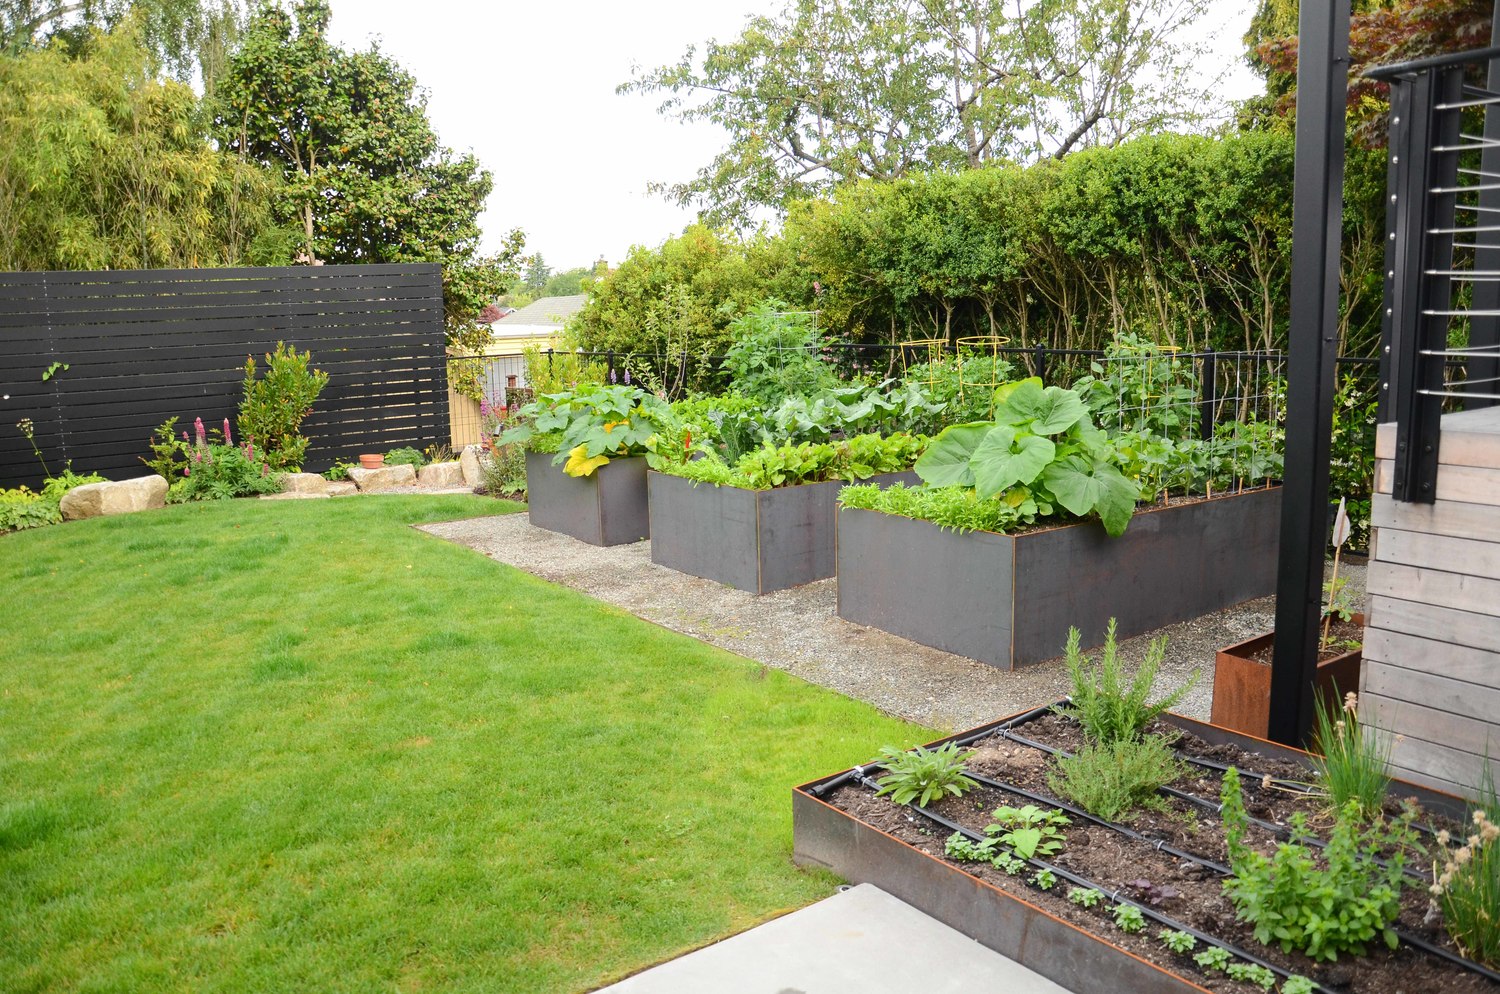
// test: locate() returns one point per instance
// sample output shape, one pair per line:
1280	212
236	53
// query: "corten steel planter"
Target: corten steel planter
755	540
607	507
1242	684
1009	600
825	836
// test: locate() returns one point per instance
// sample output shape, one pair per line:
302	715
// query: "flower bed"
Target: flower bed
1169	866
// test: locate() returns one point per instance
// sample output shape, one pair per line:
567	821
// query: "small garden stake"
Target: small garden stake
1340	536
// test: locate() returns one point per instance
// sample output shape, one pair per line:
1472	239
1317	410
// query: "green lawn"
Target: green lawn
301	747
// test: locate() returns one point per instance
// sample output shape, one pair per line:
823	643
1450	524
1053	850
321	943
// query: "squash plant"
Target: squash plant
587	426
1042	451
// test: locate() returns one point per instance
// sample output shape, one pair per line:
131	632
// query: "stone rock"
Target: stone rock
469	463
304	483
342	488
93	500
293	495
442	474
385	478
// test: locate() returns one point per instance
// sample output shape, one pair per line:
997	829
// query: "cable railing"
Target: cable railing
1442	272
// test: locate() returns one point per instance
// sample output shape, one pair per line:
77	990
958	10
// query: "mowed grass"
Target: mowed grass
303	747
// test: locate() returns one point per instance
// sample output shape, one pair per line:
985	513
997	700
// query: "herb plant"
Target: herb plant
1030	831
1085	897
924	774
1214	958
1351	758
405	456
1298	984
1340	905
1252	973
1178	942
1044	879
1107	706
957	509
1467	889
1115	780
1128	918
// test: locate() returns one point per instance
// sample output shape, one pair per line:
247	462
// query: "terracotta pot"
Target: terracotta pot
371	460
1242	684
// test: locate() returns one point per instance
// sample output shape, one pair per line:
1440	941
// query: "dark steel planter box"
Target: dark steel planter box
755	540
607	507
1009	600
1242	684
825	836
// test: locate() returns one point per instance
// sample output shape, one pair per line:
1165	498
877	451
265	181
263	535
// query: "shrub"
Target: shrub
272	410
503	471
405	456
1108	709
1114	779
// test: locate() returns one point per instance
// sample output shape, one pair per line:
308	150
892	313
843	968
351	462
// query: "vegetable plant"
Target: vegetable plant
1252	973
1128	918
1178	942
587	426
771	466
1030	831
923	774
776	354
1041	452
1085	897
1215	958
957	509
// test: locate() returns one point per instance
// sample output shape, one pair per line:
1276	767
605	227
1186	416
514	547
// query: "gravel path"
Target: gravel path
798	630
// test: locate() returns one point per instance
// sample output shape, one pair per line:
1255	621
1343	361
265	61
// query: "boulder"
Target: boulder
442	474
342	488
304	483
93	500
468	462
385	478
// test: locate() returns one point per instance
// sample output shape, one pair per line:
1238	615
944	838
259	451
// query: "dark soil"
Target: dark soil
1118	864
1343	636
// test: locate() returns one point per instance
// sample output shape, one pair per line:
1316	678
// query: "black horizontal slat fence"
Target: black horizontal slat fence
144	346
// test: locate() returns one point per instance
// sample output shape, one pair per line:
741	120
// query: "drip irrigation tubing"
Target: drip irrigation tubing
1278	831
1115	896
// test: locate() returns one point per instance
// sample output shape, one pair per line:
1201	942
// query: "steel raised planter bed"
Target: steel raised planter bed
1009	600
827	836
755	540
607	507
1242	683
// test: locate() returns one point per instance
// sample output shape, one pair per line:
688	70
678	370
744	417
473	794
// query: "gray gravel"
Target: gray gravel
798	630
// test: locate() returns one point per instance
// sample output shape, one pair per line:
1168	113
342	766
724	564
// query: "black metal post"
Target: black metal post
1208	391
1041	361
1484	326
1317	207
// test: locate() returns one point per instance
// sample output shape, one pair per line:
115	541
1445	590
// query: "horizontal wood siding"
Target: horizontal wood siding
1432	646
145	346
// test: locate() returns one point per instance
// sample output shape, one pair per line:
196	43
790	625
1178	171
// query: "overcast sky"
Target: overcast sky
530	89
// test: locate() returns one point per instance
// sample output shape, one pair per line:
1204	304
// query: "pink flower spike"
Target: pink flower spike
186	471
184	436
198	431
227	439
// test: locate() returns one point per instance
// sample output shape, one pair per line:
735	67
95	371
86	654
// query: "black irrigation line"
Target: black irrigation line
1115	896
1278	831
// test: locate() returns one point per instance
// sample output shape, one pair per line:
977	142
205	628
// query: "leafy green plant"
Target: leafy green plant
776	354
22	507
217	469
502	471
405	456
1467	889
771	466
1030	831
1115	780
924	774
169	454
1085	897
1338	906
963	383
275	404
1128	918
1180	943
1214	958
1107	707
1252	973
1298	984
1351	456
1044	879
339	470
957	509
1351	759
1041	449
1141	385
587	426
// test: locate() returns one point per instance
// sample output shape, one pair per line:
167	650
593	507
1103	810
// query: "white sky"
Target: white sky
530	89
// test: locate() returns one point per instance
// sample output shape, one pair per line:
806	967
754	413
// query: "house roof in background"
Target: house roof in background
551	312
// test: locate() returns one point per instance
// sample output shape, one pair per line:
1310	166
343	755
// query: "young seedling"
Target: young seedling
1128	918
1213	958
1085	897
1045	879
1178	942
1252	973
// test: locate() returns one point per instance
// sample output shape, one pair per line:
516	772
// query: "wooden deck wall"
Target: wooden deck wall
1432	645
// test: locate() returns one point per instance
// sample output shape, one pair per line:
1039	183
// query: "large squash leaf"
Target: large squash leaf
1044	410
946	461
1007	457
1082	485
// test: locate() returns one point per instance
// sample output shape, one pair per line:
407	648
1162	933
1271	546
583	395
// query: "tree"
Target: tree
537	275
568	282
837	90
366	178
182	35
104	166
